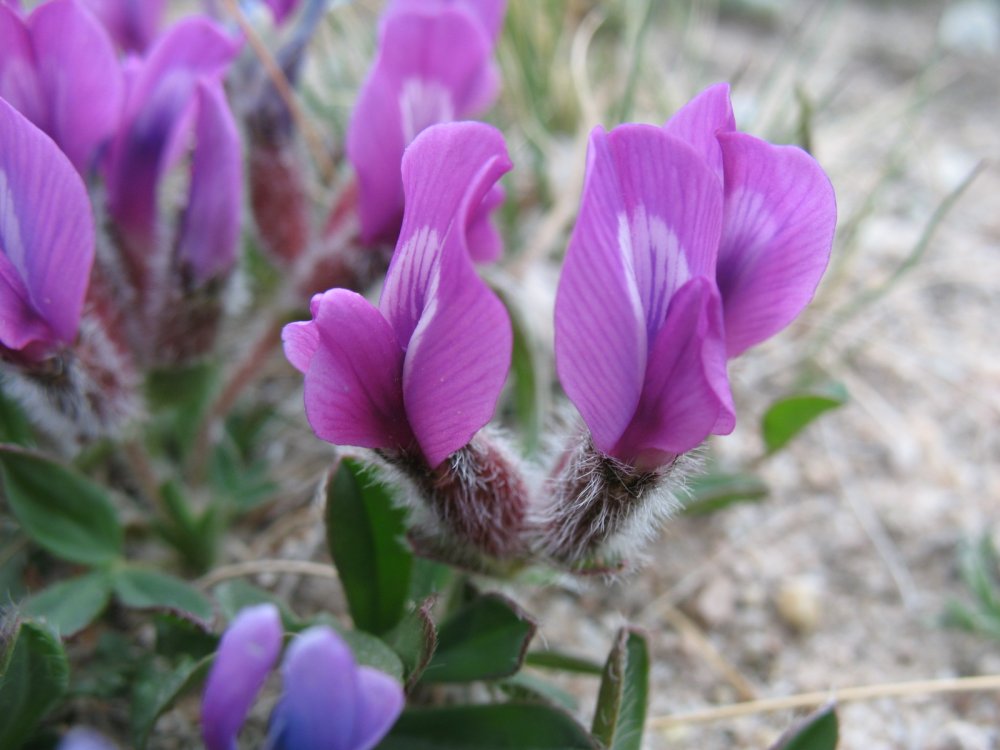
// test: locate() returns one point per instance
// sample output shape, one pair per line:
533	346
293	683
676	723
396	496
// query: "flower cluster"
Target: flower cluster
694	242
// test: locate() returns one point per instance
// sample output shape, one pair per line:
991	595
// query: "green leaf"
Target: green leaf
818	731
414	639
70	606
179	397
528	687
33	683
498	726
428	577
527	393
365	534
485	639
563	662
156	690
63	512
141	588
712	492
14	425
787	417
621	702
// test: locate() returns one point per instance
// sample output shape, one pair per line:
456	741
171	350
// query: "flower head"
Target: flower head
424	369
434	65
46	240
59	68
327	700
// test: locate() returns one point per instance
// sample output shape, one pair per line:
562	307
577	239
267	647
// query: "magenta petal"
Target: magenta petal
485	243
300	340
780	215
19	84
672	216
353	387
430	69
247	652
380	701
46	233
455	330
211	227
319	706
80	76
685	396
448	172
281	9
458	357
600	330
698	122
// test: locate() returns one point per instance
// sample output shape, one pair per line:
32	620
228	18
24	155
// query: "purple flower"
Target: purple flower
427	365
81	738
175	87
281	9
639	337
133	24
434	65
327	700
694	242
59	68
46	240
779	217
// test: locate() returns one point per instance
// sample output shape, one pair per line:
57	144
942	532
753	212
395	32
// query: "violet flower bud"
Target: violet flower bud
434	65
328	700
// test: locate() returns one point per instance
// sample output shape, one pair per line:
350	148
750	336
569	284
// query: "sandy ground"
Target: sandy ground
840	577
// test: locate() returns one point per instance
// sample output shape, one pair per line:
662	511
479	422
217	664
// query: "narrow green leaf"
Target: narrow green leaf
563	662
709	493
141	588
485	639
498	726
365	534
63	512
788	416
70	606
528	406
156	690
33	683
414	639
621	702
179	397
818	731
428	577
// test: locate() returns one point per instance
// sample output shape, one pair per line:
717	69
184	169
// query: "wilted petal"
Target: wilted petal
380	701
247	652
80	76
46	235
780	214
698	122
319	706
133	24
429	69
353	385
485	243
19	83
211	227
455	331
685	395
